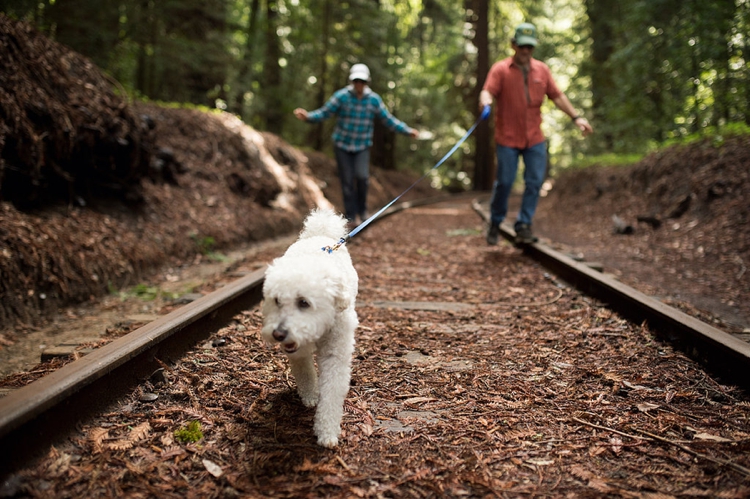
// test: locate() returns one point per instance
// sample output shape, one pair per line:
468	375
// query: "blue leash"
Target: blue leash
330	249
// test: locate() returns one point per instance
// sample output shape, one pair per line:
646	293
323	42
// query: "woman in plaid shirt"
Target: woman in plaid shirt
355	107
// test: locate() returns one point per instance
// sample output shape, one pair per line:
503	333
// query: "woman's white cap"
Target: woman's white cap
359	72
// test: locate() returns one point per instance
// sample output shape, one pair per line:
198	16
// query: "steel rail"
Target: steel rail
47	410
717	350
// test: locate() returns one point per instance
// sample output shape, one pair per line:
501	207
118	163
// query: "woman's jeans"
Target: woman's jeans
535	166
354	174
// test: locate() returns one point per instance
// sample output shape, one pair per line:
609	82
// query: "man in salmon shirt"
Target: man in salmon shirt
519	85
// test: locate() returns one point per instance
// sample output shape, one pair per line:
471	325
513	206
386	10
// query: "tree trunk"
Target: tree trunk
273	113
383	153
317	134
602	15
483	157
145	37
722	91
245	76
90	28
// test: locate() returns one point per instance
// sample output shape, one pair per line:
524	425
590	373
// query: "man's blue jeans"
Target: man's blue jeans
535	166
354	174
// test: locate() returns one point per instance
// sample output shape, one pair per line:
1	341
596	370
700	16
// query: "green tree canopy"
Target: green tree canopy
642	71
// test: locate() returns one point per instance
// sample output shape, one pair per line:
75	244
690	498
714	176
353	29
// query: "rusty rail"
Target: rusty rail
47	410
719	351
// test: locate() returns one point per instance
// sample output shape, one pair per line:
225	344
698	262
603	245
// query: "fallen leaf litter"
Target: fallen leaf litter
517	385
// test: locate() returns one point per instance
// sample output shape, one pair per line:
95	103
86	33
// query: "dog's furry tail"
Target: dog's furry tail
324	222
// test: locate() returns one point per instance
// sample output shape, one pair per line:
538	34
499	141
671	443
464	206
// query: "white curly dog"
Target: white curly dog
308	306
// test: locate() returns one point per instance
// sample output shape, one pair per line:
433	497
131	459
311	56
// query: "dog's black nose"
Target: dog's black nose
280	333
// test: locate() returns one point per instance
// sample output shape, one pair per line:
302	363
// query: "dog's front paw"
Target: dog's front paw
327	432
309	399
328	441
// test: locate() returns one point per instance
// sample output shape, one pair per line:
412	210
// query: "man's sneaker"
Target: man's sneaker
524	235
492	234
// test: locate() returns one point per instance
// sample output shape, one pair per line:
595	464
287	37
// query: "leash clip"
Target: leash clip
331	249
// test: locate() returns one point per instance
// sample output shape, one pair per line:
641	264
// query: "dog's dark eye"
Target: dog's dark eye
276	300
302	303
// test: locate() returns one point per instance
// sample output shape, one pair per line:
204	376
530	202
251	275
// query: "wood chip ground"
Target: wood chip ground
476	374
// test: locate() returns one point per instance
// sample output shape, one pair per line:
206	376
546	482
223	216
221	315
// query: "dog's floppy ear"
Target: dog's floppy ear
342	302
341	297
337	284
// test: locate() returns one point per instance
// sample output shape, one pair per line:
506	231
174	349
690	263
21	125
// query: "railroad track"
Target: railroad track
48	409
719	351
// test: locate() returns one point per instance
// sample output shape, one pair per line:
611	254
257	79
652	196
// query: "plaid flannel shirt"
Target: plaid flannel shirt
354	126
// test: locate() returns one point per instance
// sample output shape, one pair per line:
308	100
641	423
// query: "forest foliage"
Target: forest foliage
642	71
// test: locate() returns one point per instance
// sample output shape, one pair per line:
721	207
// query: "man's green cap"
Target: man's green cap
525	35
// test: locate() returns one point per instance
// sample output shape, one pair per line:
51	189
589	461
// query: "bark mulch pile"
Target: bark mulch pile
65	132
98	193
476	374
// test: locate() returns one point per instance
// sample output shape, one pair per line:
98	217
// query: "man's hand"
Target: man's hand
584	125
301	114
485	99
414	134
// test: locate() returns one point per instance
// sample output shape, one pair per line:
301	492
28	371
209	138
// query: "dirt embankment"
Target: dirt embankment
676	225
98	192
